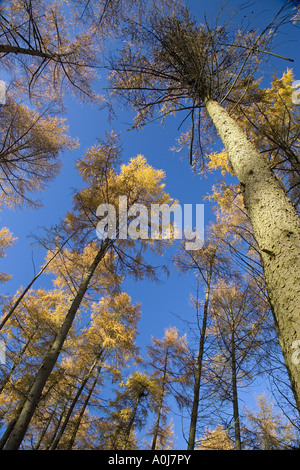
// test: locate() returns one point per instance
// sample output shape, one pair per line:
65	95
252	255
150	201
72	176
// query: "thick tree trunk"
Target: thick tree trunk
276	227
50	359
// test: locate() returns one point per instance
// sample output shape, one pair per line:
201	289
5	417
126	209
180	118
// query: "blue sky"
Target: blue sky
161	304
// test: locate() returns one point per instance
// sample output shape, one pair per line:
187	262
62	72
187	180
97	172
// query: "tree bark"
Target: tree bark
276	227
24	418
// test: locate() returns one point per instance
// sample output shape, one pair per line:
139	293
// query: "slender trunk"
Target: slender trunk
131	421
235	403
7	432
276	227
50	359
83	408
22	295
17	362
160	405
194	414
74	402
45	429
57	427
9	49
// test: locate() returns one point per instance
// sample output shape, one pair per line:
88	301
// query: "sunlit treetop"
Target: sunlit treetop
176	64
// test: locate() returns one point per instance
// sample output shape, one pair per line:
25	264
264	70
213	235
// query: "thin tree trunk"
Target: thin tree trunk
22	295
57	427
7	432
17	362
235	403
45	429
131	421
160	405
50	359
194	414
9	49
276	226
74	402
83	408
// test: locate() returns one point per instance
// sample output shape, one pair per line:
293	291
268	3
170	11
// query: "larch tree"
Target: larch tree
167	357
32	142
6	241
141	184
271	122
267	429
43	55
216	439
102	351
209	264
52	49
49	52
59	46
238	315
29	334
172	64
129	411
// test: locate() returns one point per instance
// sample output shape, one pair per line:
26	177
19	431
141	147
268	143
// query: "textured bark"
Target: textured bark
24	418
276	227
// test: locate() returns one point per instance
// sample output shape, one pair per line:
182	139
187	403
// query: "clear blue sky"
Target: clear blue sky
159	302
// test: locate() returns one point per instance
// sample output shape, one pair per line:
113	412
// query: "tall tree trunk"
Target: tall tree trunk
7	432
45	429
276	226
74	402
160	405
235	403
17	362
56	428
50	359
131	421
83	408
194	414
22	295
